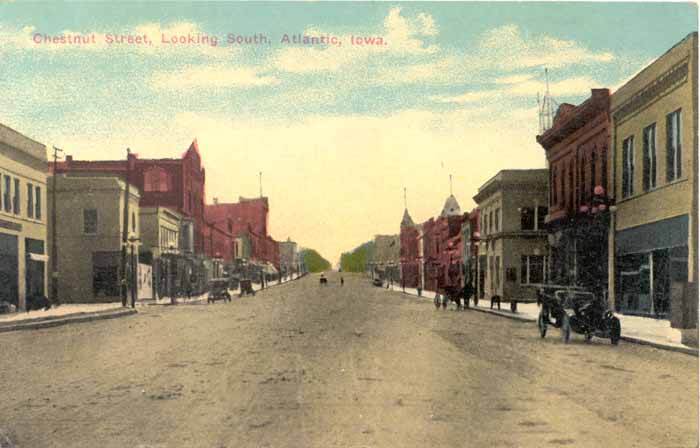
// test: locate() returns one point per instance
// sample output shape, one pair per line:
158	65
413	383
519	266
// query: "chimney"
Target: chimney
216	201
69	159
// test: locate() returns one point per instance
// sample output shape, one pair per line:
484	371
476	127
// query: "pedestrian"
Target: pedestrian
342	282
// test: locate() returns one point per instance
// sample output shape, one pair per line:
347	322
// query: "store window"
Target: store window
673	146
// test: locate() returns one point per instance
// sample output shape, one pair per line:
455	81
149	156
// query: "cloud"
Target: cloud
506	48
215	77
468	97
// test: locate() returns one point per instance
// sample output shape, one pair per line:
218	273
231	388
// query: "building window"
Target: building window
7	194
156	179
532	269
527	218
628	167
90	221
490	220
541	215
30	200
649	150
37	202
673	146
497	219
594	164
133	222
604	170
571	184
582	181
15	198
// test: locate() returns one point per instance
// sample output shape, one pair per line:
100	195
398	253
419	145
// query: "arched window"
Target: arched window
156	179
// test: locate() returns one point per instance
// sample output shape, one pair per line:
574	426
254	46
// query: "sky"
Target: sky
338	131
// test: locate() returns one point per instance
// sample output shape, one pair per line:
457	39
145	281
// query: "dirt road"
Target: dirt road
300	365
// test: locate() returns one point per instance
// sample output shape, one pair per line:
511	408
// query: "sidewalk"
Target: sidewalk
639	330
61	315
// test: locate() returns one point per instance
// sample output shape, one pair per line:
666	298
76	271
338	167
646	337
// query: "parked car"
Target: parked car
219	290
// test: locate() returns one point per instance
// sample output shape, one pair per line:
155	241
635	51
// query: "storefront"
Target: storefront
9	269
652	267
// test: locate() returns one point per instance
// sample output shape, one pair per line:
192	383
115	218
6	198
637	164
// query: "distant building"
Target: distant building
409	252
23	248
162	240
654	264
386	258
578	219
89	225
470	251
289	258
513	239
247	221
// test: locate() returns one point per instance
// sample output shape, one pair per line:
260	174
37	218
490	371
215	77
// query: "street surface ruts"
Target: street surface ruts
300	365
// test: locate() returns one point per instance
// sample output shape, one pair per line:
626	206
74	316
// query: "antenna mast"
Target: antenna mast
450	184
547	107
261	195
405	202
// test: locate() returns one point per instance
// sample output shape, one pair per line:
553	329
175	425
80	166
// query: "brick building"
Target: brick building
654	231
470	250
247	221
577	223
23	249
512	238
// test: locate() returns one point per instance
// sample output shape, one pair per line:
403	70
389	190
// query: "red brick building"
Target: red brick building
249	219
577	153
173	183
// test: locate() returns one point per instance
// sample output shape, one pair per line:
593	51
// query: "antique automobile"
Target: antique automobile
218	290
246	288
576	309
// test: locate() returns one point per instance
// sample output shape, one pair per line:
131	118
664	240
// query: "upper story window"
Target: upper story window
37	202
554	186
30	200
497	220
541	215
15	199
571	184
90	221
649	150
156	179
594	166
527	218
7	193
628	167
673	146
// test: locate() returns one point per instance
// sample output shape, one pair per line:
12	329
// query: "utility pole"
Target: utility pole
55	300
261	195
125	228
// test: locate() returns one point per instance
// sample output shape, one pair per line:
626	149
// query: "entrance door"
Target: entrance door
9	269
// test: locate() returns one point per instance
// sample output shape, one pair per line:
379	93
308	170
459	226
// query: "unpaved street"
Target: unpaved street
301	365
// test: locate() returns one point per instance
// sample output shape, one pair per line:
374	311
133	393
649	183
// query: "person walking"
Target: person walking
342	281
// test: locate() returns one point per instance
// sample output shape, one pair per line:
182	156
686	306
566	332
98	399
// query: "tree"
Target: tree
314	261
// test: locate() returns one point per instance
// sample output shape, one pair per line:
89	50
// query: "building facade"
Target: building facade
653	258
289	258
23	218
409	252
470	251
512	237
577	222
386	258
89	225
161	244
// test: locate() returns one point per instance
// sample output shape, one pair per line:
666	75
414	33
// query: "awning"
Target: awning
38	257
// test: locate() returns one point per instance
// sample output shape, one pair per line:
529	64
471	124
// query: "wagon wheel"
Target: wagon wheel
565	328
542	323
615	331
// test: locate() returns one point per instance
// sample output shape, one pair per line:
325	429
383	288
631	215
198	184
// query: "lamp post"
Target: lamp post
55	300
133	240
125	227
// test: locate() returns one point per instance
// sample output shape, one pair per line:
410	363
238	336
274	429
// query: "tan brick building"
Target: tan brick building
513	242
23	248
654	165
89	220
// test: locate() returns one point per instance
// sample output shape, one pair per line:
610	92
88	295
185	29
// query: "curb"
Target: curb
685	350
67	319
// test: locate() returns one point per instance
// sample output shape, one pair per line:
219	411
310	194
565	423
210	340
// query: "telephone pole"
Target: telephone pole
125	228
55	300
